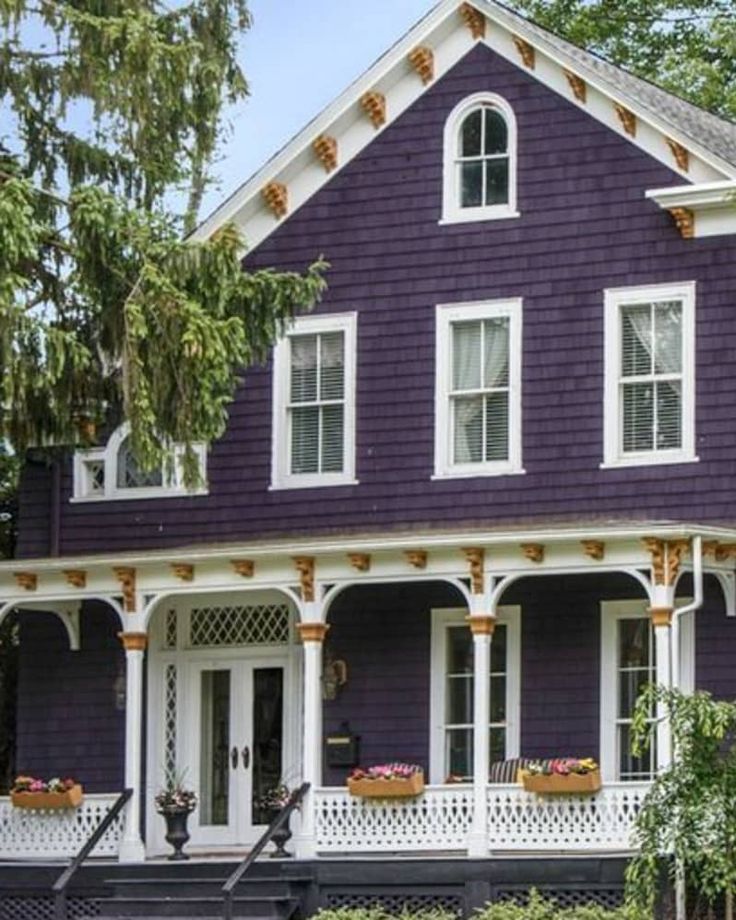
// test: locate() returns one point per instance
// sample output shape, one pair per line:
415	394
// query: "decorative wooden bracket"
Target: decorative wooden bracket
326	149
526	52
666	558
725	551
361	562
474	20
416	558
305	567
134	641
126	576
594	549
77	578
627	119
534	552
684	220
374	105
183	571
422	60
476	558
680	153
26	580
243	567
312	632
710	548
276	196
578	86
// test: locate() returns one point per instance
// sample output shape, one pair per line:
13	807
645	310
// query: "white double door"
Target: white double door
233	741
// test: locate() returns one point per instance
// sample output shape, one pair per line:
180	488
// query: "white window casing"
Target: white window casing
443	620
313	412
109	473
479	174
478	389
649	398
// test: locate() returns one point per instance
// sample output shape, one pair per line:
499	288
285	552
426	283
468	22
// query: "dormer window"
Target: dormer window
480	160
112	472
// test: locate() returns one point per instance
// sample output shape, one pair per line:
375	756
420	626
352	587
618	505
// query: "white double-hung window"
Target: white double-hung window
650	375
478	389
314	403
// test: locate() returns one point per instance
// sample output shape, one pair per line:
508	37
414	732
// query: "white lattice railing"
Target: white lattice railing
440	819
26	833
437	820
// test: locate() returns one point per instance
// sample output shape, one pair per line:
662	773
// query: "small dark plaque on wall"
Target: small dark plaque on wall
342	748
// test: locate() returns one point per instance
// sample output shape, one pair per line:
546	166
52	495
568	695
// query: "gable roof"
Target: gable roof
689	140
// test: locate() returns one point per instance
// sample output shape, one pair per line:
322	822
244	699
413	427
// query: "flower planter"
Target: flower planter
71	798
561	784
387	788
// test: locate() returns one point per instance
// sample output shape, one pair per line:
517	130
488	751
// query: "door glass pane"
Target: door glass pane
268	733
214	747
459	752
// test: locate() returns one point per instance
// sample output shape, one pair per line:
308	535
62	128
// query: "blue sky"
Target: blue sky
298	57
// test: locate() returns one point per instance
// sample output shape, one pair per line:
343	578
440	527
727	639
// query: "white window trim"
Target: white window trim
614	299
611	613
443	618
452	213
281	478
447	314
173	485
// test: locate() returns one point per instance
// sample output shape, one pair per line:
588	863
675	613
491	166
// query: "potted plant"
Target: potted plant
562	776
176	803
272	801
30	792
387	781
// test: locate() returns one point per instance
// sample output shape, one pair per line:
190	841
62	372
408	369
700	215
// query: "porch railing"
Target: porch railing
517	821
29	834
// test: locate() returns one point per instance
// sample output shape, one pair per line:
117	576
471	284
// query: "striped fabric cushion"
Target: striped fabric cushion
505	771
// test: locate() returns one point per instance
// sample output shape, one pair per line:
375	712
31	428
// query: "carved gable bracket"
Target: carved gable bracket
534	552
361	562
276	196
305	567
684	220
666	558
374	105
578	86
594	549
416	558
422	60
526	52
680	153
326	149
126	576
474	20
725	551
243	567
476	558
183	571
627	119
77	578
26	580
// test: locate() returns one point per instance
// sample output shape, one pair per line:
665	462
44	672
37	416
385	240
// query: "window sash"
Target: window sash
630	768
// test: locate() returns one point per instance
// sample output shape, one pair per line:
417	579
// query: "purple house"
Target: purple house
475	501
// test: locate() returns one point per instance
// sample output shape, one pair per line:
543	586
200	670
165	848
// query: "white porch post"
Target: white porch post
312	633
482	627
662	623
131	846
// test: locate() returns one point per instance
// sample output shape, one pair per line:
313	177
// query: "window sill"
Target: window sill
487	473
477	216
311	483
142	495
651	460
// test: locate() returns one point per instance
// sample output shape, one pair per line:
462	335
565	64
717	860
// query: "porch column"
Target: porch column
662	623
312	635
134	643
482	627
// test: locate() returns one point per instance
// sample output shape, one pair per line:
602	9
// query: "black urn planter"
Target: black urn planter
176	831
280	838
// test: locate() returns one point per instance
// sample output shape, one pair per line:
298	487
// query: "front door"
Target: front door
233	745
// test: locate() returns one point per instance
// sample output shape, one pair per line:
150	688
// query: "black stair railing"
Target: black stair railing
228	889
61	885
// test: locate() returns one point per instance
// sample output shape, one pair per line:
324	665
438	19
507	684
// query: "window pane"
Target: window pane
631	767
669	415
459	751
496	352
470	134
497	426
636	340
332	439
305	440
303	368
634	637
498	699
498	650
466	346
130	475
498	744
471	184
496	134
638	421
468	428
332	365
497	181
630	685
668	338
459	650
459	700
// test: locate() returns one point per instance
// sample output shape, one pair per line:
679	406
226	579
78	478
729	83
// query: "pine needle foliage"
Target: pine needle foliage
109	112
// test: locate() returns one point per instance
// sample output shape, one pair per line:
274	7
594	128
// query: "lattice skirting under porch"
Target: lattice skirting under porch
42	908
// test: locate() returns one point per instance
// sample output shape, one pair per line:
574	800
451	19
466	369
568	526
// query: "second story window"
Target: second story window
478	389
314	403
650	375
480	160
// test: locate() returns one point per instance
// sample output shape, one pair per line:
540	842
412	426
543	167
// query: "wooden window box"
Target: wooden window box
46	801
387	788
559	784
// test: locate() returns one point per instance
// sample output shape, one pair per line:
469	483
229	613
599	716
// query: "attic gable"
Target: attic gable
698	146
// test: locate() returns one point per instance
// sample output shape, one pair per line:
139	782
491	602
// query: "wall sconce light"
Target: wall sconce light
334	676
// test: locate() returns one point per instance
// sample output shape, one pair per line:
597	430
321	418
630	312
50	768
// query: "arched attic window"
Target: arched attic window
480	160
112	472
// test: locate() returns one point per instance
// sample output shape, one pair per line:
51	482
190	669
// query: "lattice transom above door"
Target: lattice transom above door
262	624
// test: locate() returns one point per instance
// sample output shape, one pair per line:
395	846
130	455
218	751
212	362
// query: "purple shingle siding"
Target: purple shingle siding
585	226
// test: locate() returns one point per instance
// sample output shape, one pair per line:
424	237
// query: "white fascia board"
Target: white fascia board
712	203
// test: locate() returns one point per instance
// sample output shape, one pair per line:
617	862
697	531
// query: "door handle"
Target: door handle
245	754
234	757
